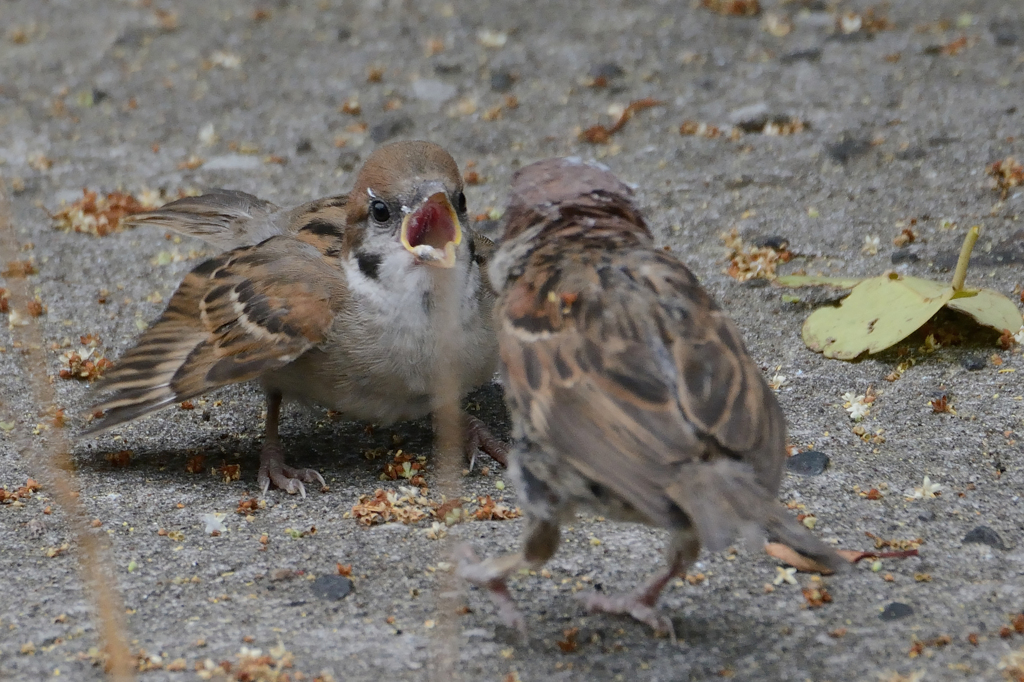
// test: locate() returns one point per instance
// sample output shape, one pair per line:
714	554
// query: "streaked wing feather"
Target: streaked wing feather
233	318
225	218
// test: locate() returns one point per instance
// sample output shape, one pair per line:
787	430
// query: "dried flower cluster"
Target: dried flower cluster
101	215
749	262
85	364
1006	174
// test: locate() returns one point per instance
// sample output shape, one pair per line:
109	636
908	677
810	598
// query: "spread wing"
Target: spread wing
628	369
223	217
234	317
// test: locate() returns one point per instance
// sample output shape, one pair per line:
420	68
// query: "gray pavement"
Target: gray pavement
900	125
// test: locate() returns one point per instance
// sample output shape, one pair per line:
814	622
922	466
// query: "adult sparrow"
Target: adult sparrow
329	304
630	389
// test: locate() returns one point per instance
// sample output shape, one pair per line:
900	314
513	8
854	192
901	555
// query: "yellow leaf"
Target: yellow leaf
990	309
878	313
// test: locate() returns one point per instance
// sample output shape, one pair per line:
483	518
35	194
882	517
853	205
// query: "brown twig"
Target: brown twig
53	449
599	134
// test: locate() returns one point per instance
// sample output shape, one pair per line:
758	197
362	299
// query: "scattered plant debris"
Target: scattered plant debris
733	8
600	134
1006	174
102	215
747	262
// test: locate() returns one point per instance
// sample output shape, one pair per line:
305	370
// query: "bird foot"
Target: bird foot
274	470
480	439
483	574
631	604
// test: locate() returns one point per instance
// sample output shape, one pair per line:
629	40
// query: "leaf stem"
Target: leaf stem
965	255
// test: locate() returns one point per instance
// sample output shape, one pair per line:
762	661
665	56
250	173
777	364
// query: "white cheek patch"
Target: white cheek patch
370	192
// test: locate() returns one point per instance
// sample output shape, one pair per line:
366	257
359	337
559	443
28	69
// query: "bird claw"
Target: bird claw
632	605
479	573
480	439
289	479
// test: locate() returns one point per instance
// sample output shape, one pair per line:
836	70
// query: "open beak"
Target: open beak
432	231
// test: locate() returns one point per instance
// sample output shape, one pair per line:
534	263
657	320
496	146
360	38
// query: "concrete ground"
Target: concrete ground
899	126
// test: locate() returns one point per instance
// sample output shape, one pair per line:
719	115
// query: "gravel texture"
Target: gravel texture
899	124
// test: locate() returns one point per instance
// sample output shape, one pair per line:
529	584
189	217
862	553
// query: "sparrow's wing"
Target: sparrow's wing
223	217
632	374
234	317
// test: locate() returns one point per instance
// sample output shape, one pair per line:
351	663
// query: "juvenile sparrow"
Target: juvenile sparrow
630	389
329	304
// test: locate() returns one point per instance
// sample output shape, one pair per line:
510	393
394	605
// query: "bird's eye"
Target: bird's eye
379	211
461	202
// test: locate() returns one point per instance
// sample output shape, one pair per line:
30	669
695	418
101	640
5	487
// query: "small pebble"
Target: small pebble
926	515
332	587
903	256
433	91
983	535
973	363
810	55
896	610
771	241
848	149
607	70
502	80
807	463
304	146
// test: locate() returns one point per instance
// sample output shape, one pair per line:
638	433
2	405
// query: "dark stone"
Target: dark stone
391	126
904	256
502	80
855	37
755	283
304	146
807	463
771	241
926	515
972	363
739	181
911	154
983	535
98	96
332	587
607	70
447	68
348	159
344	34
942	140
847	149
896	610
809	55
135	37
1003	34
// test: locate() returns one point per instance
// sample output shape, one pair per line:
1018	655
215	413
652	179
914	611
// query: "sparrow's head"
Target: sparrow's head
568	188
562	200
410	193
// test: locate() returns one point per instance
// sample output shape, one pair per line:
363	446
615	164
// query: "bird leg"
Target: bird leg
683	549
480	439
539	544
272	466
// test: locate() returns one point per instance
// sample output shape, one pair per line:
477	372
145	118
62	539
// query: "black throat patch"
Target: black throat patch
369	264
